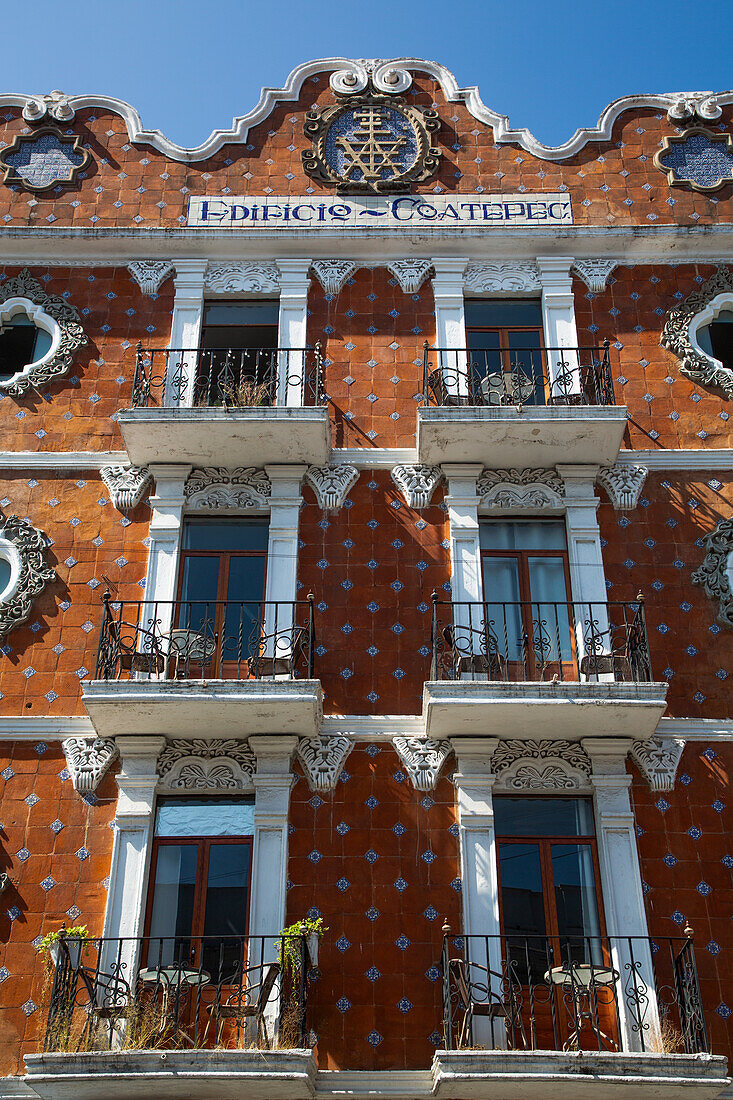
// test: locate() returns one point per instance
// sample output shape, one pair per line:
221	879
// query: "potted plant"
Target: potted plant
74	938
313	930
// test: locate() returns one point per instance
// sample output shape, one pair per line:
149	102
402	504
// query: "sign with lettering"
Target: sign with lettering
273	212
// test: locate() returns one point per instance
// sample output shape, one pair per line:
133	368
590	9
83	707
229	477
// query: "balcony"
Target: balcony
224	1015
524	407
570	659
611	1016
221	668
227	407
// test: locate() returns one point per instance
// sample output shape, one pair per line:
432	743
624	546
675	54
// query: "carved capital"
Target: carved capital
594	273
417	483
198	765
24	547
323	758
713	575
212	487
243	277
126	485
410	274
332	274
150	274
540	765
623	483
508	277
423	759
657	760
331	484
88	759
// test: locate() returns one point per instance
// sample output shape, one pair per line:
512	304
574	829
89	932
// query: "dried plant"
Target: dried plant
246	393
670	1039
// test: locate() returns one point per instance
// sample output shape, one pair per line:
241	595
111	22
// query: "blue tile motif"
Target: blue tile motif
699	160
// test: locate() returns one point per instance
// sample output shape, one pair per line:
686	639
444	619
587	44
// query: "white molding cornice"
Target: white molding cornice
697	729
704	458
61	460
381	727
44	729
290	91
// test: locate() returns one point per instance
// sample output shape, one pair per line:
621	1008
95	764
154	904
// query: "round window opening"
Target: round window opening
716	338
9	569
27	336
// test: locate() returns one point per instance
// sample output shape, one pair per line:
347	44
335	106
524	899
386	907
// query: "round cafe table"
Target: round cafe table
175	981
582	980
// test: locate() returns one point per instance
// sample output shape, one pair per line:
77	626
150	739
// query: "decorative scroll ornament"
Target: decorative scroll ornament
541	765
332	274
417	483
150	274
322	759
713	574
214	487
595	273
126	485
197	765
518	490
697	159
25	548
657	760
675	336
243	277
331	484
372	142
384	76
686	106
43	159
623	483
510	277
56	105
410	274
63	318
423	759
88	759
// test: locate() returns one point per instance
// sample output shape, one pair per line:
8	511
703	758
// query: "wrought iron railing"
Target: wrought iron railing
206	640
540	640
227	377
517	377
610	993
178	992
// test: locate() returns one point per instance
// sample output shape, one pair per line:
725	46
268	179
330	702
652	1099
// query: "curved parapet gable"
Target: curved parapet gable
679	105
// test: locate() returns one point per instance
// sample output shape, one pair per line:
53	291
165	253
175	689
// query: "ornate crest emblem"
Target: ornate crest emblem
43	159
697	159
372	143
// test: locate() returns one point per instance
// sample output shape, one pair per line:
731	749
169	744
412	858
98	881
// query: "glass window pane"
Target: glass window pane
503	312
543	816
523	910
223	535
260	312
575	899
226	890
504	618
551	637
522	535
204	817
240	336
200	578
245	611
5	572
171	920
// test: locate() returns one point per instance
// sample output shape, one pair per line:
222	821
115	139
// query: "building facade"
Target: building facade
367	517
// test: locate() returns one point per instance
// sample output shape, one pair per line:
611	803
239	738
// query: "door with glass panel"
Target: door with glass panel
505	342
528	614
551	915
198	901
238	357
220	612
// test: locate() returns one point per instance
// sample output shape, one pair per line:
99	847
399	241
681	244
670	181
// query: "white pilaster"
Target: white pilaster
450	321
272	781
282	548
294	283
558	317
136	782
465	551
474	781
587	575
166	522
623	897
188	312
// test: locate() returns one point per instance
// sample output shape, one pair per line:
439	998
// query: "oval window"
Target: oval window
6	575
716	338
23	341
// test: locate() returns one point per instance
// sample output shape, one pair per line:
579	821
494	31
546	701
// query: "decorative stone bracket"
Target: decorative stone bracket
594	273
623	483
323	758
25	546
423	759
713	573
150	274
332	274
88	760
410	274
417	483
657	760
331	484
126	485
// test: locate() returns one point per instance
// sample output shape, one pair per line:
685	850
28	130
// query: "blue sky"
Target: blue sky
188	67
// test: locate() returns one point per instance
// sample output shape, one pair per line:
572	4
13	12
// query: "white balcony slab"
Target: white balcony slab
505	437
221	437
558	1075
204	708
569	710
173	1075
